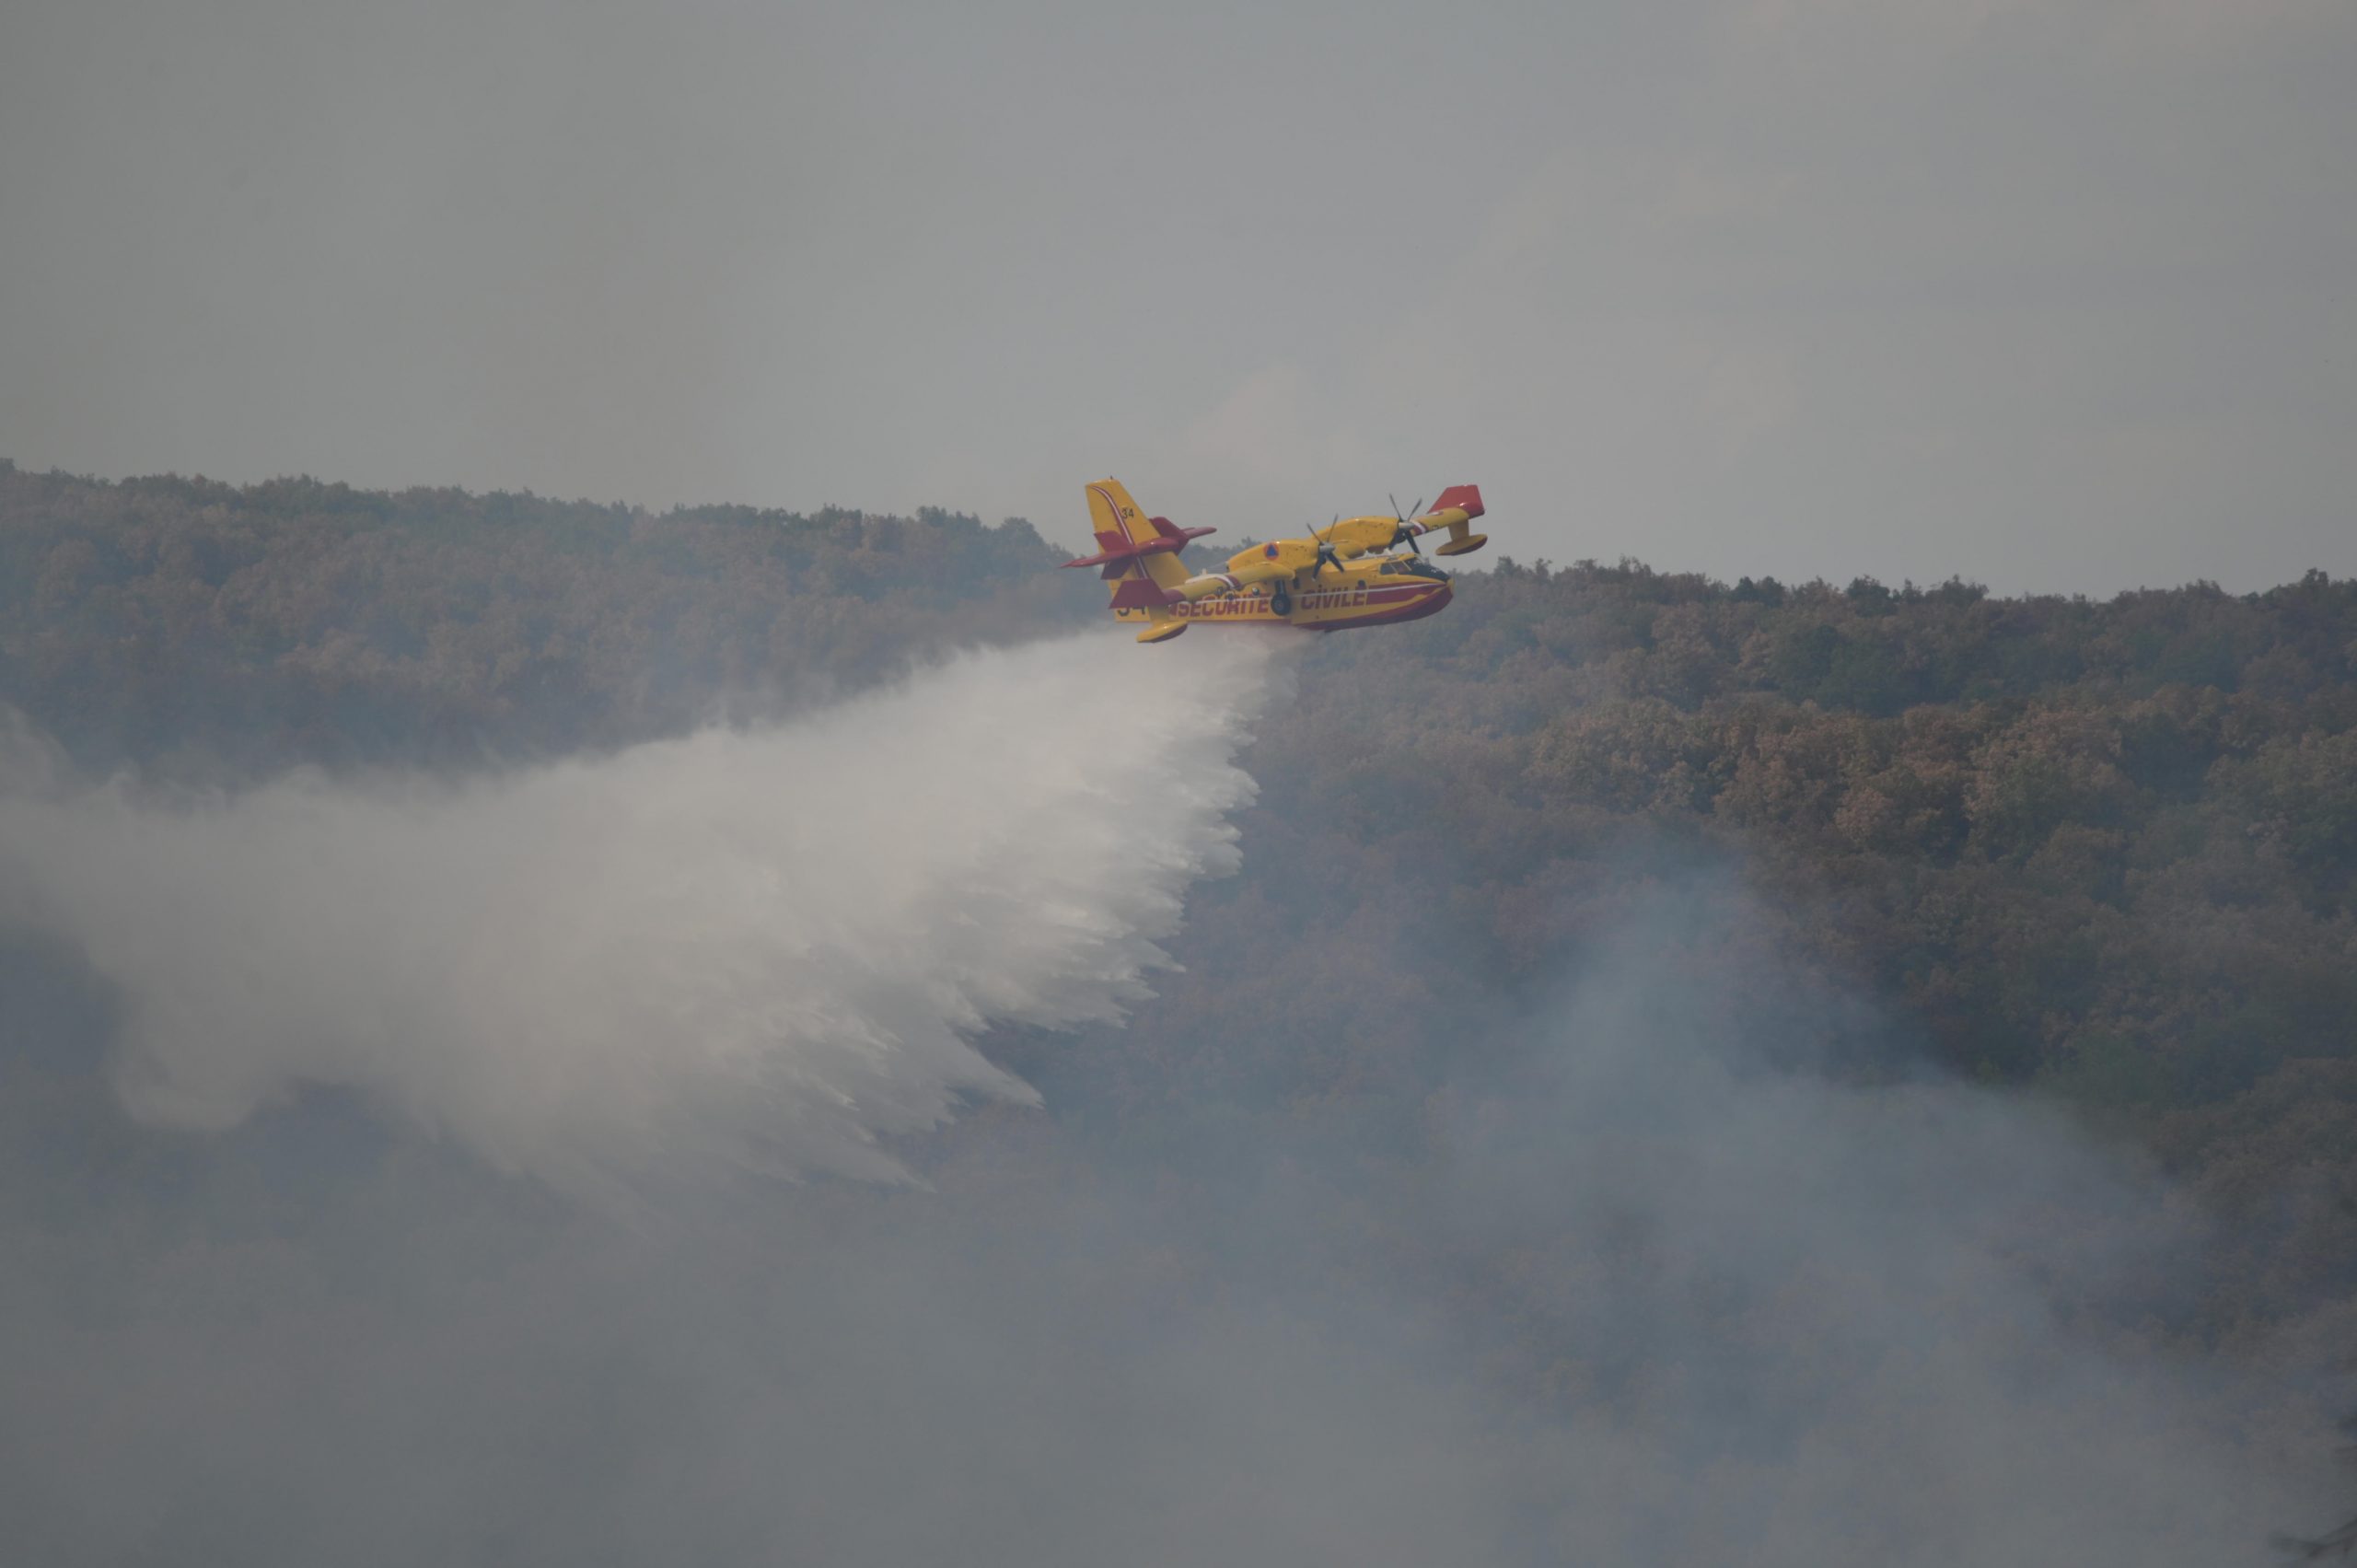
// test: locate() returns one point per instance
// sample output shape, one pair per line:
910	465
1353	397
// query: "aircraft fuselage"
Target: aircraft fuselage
1358	593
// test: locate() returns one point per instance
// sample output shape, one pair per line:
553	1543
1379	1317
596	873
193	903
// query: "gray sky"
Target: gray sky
2056	294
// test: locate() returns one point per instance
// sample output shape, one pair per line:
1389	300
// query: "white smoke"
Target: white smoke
760	946
1638	1279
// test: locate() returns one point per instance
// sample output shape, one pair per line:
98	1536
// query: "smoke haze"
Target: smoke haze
1641	1278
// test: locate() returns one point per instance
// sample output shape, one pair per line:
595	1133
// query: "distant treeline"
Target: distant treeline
2104	848
250	627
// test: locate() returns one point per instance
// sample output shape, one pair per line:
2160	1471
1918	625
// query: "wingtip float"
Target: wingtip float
1343	574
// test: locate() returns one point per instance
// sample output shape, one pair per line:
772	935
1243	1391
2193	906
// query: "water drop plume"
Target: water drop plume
761	947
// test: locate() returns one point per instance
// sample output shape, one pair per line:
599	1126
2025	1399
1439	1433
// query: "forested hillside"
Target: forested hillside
2105	851
297	621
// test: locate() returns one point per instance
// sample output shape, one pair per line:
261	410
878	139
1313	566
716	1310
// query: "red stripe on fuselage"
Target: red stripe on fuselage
1428	602
1385	605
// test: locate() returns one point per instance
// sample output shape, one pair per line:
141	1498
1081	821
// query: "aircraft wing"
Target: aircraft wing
1266	562
1258	571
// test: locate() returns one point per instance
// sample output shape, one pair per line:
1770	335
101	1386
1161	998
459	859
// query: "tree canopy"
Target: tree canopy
2105	851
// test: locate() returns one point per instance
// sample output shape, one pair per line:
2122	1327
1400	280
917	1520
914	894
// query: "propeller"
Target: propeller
1326	557
1413	548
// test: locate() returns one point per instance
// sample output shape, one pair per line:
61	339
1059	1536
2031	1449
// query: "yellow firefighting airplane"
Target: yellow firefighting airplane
1284	583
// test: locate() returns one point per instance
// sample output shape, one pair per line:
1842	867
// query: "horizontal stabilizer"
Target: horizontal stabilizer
1166	540
1125	550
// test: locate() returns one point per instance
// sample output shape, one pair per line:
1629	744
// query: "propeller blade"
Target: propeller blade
1324	550
1404	536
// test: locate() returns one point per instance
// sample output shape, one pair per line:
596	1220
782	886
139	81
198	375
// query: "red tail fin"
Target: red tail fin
1466	495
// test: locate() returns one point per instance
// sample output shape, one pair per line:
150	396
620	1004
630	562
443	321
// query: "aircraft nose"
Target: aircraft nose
1431	601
